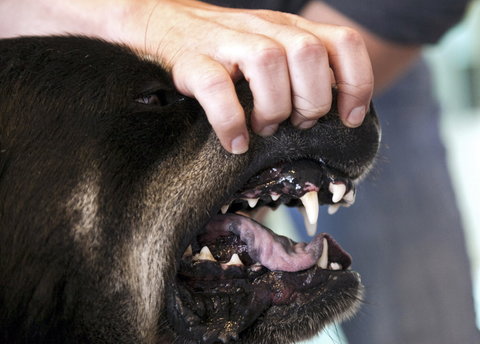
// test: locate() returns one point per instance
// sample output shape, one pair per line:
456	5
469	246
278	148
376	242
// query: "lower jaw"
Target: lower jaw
212	311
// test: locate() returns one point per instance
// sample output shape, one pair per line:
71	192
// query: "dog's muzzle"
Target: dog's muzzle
236	268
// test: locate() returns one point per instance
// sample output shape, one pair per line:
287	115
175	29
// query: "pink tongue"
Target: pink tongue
275	252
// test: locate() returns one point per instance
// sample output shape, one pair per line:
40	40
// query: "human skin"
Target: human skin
289	62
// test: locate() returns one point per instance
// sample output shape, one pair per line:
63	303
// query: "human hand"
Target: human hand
289	62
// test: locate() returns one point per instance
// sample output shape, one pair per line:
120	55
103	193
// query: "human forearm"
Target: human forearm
47	17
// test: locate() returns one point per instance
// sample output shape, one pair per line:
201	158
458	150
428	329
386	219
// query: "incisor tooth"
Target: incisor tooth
323	260
310	202
224	209
252	202
333	208
349	197
335	266
235	260
205	254
188	252
337	190
275	197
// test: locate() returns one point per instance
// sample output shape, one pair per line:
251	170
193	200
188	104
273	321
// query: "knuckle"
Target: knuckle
273	115
213	80
322	109
305	45
349	36
227	123
267	53
309	109
313	113
359	90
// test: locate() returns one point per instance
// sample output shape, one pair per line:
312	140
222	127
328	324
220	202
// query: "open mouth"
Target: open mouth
236	270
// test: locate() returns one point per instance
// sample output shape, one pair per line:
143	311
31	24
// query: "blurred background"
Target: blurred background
455	65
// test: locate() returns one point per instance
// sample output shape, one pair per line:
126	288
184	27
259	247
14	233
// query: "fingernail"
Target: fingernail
306	124
356	116
268	130
239	145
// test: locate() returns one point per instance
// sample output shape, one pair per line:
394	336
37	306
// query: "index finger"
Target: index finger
212	86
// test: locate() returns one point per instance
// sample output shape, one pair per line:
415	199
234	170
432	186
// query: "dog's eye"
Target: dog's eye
159	98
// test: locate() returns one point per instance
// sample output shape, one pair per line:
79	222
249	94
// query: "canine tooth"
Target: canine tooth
335	266
311	228
333	208
275	197
205	254
337	190
323	260
188	252
235	260
310	202
349	197
224	209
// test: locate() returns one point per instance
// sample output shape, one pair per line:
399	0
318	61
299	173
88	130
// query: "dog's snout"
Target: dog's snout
349	150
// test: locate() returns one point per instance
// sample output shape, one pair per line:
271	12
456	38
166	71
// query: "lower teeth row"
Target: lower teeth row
206	255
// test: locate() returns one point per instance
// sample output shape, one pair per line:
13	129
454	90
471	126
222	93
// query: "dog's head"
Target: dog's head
120	213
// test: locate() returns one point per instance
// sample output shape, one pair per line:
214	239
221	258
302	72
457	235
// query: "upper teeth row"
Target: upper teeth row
311	206
252	202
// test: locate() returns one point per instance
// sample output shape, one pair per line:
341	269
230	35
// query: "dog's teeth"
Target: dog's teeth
205	254
323	260
235	260
310	202
311	228
252	202
349	197
333	208
338	191
256	267
224	209
275	197
188	252
335	266
310	211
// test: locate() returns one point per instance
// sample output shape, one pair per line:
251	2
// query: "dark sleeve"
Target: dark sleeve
403	21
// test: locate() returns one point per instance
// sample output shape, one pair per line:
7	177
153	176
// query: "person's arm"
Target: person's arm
286	59
389	60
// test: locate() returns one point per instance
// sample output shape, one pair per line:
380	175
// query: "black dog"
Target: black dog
118	208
